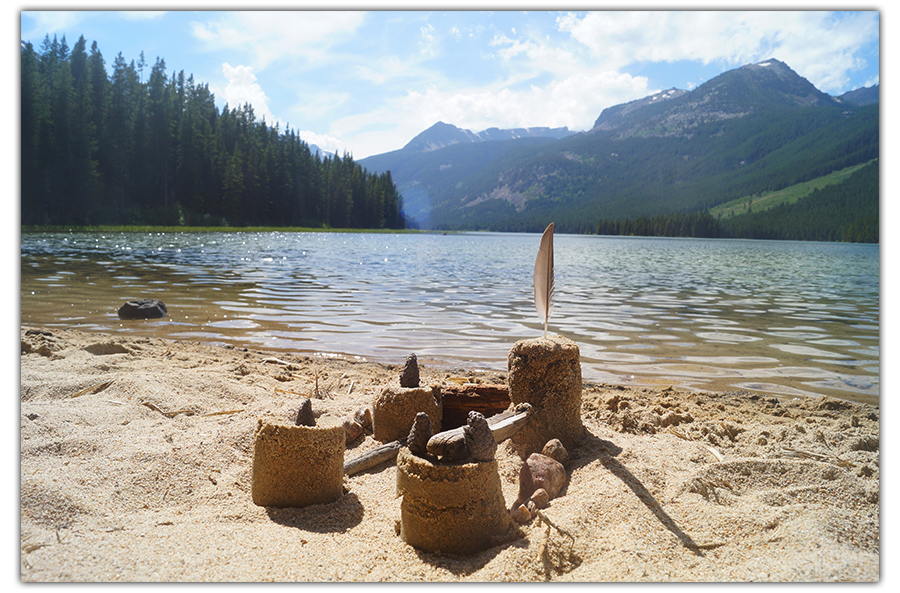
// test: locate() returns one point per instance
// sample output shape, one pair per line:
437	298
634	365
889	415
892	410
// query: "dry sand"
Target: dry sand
136	459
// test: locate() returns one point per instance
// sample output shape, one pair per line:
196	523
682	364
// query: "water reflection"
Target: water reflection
705	314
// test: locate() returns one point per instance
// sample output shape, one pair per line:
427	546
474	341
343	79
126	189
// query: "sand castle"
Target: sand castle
452	498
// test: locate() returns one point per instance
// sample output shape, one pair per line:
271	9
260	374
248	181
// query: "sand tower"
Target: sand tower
296	466
546	373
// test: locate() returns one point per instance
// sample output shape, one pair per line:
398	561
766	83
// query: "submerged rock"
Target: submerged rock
143	309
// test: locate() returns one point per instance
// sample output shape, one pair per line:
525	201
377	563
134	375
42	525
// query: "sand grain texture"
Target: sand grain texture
136	461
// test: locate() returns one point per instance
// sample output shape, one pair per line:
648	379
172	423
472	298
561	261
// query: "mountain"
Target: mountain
760	127
862	96
441	135
443	154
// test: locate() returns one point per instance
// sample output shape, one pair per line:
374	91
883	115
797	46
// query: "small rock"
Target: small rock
540	498
417	441
540	471
479	438
363	416
305	415
521	514
410	375
352	430
554	450
143	309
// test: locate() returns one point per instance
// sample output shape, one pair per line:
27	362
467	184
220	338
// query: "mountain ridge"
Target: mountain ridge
671	151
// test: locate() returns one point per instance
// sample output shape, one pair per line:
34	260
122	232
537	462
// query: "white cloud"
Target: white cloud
279	35
329	143
574	102
427	40
141	15
50	22
810	42
242	88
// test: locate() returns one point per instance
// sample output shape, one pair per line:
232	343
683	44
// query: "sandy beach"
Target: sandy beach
136	463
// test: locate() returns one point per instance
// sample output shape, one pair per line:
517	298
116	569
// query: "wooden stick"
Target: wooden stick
451	443
372	458
502	425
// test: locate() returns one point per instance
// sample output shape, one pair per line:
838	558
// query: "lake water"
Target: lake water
777	318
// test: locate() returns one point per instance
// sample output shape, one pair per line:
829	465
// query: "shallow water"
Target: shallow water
780	318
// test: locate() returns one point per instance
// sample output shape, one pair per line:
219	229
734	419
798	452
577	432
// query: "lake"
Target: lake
772	317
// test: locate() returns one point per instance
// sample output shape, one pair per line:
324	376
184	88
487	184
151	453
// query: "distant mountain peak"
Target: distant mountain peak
443	134
732	94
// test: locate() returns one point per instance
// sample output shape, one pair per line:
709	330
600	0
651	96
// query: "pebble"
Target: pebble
521	514
363	417
352	430
540	471
540	498
554	449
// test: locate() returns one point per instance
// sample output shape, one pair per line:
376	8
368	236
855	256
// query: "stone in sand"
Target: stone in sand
305	416
417	441
540	471
479	438
554	450
410	375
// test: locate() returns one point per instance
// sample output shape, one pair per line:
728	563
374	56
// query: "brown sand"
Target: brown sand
136	460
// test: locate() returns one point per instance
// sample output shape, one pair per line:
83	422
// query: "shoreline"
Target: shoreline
669	486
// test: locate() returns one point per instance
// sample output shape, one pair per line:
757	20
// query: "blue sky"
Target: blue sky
367	82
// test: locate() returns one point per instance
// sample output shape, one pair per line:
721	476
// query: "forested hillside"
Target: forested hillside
846	211
141	146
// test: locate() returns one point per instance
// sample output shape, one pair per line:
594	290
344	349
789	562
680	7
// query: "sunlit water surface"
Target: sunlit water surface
779	318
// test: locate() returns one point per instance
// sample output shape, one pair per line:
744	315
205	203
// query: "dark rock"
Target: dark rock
410	376
421	430
479	438
143	309
305	416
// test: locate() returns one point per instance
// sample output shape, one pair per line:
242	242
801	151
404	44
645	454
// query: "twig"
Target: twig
280	390
817	457
546	520
372	458
95	389
222	413
169	414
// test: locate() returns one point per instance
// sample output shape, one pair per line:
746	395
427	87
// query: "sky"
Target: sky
367	82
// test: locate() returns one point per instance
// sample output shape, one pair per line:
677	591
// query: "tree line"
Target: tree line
847	212
140	146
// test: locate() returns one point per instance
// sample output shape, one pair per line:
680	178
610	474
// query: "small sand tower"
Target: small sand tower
546	373
296	466
454	507
395	408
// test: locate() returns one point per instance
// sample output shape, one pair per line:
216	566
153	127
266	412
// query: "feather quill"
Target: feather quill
543	276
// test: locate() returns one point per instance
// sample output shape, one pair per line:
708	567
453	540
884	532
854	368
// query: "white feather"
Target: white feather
543	276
